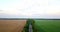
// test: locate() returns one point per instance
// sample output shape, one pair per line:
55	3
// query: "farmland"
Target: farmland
12	25
23	25
47	25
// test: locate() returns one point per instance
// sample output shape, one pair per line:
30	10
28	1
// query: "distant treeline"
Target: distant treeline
13	19
25	19
44	19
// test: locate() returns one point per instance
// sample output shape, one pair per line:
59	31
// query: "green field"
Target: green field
47	25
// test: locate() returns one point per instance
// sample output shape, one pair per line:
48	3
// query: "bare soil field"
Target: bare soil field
12	25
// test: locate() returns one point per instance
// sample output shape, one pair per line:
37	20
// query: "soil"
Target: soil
12	25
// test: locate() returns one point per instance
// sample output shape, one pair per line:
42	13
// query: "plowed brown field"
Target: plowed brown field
12	25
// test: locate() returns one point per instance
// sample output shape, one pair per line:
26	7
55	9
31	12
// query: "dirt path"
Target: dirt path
12	25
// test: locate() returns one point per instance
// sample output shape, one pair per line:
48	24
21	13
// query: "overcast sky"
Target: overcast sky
29	8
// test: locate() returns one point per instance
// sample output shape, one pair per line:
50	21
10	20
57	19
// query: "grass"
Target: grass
47	25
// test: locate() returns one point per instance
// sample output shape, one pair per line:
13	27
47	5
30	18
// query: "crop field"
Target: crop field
12	25
47	25
23	25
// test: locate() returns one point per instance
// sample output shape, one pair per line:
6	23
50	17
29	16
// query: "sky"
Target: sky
29	8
